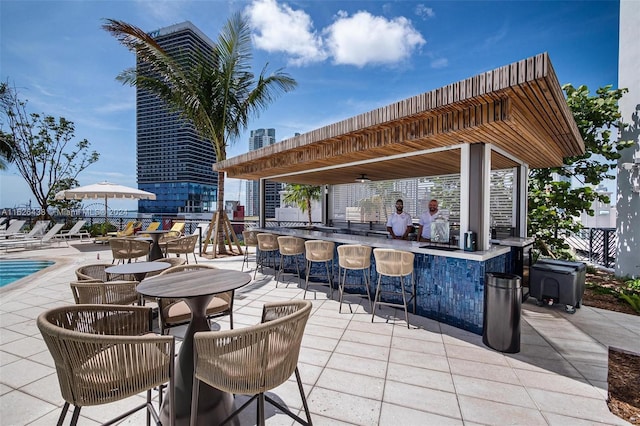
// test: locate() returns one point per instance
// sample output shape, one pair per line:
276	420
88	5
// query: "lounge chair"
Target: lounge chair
75	231
128	230
153	226
30	243
13	228
35	232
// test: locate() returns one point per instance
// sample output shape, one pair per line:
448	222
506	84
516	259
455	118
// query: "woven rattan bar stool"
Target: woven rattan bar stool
354	257
319	251
289	246
394	263
250	240
267	248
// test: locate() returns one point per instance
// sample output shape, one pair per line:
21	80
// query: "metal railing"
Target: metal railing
597	245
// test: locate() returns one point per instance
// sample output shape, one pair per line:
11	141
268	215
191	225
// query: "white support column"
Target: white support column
484	233
522	200
262	202
465	155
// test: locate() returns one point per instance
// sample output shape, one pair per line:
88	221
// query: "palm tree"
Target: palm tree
302	196
217	92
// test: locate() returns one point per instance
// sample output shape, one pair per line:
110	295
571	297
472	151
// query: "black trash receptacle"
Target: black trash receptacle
502	312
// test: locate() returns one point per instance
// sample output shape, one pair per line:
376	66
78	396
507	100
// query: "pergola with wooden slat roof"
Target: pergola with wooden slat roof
519	109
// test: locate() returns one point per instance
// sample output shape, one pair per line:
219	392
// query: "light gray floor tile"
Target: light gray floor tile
556	383
354	384
573	406
393	415
497	373
421	398
23	372
344	407
418	359
18	408
496	413
488	389
420	377
358	365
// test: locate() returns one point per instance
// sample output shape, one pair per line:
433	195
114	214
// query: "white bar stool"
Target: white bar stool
289	246
354	257
267	247
319	251
394	263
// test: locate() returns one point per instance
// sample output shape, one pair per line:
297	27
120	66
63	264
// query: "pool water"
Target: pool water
13	270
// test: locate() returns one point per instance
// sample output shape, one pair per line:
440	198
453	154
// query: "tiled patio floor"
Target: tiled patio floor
354	372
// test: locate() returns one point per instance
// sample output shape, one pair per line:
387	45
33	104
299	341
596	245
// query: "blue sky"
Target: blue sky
348	57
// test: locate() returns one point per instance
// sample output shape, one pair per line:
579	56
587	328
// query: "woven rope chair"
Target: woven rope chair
267	247
175	312
108	293
102	355
354	257
173	261
138	248
319	251
289	246
250	240
183	245
398	264
96	271
120	248
255	359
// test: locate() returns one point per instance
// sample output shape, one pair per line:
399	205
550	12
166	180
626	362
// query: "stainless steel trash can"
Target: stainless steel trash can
502	312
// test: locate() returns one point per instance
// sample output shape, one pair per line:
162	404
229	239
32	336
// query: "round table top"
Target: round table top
188	284
137	267
157	231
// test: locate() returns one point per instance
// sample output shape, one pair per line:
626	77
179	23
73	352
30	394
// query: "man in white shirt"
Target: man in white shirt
424	230
400	223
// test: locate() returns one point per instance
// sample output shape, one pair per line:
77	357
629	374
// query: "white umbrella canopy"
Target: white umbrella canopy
104	190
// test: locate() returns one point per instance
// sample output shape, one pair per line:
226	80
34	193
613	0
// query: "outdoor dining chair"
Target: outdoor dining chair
175	312
255	359
104	353
291	247
183	245
319	251
354	257
107	293
96	271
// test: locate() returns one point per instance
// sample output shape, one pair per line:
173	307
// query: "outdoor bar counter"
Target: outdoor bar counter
449	284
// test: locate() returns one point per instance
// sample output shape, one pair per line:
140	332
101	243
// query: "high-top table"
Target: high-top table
197	288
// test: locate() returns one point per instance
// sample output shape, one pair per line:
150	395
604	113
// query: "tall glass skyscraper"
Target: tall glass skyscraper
257	139
174	162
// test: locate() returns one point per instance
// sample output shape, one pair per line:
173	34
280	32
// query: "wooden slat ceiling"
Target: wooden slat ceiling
519	108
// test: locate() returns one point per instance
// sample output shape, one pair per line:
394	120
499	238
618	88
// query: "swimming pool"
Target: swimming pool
13	270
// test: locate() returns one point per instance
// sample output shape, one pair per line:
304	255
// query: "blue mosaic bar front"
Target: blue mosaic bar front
448	289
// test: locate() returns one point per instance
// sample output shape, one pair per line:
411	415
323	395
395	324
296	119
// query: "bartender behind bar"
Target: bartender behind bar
424	230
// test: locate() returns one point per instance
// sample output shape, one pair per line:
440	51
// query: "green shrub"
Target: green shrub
633	285
632	299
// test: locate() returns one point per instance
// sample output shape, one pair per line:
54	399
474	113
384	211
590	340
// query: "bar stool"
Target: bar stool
394	263
250	240
354	257
267	247
289	246
319	251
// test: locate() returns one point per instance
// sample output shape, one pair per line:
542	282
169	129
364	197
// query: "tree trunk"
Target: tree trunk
220	208
309	211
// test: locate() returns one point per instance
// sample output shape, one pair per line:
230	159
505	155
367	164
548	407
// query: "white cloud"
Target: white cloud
364	39
439	63
360	40
424	12
278	28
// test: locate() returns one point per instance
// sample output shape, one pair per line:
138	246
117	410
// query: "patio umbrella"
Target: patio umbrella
104	190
